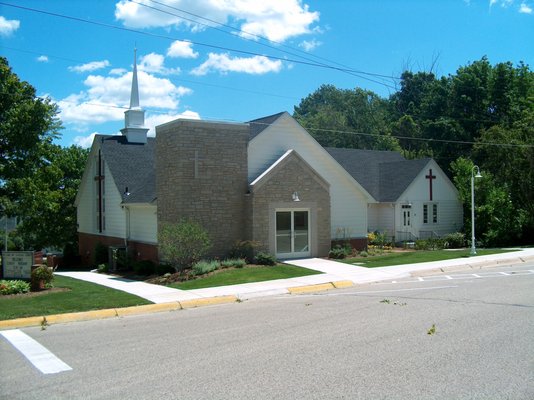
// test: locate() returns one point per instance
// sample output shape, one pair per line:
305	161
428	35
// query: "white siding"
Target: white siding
450	212
382	218
348	203
115	215
143	224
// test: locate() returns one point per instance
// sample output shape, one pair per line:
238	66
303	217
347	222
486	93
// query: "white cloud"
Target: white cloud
107	97
525	9
43	59
91	66
153	120
153	62
277	20
309	45
8	26
84	141
118	71
223	63
181	49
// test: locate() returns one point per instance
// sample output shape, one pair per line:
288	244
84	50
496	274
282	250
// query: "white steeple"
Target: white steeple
134	117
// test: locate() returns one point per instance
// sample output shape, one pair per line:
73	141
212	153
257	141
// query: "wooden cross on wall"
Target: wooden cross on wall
430	177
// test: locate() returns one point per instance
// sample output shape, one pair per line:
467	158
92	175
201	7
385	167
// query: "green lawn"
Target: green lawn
82	296
245	275
413	257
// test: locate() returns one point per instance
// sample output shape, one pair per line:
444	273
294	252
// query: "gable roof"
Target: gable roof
384	174
132	166
257	126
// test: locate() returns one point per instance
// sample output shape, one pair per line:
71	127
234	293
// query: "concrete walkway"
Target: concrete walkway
332	272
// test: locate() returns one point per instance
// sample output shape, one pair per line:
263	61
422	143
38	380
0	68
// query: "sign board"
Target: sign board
17	264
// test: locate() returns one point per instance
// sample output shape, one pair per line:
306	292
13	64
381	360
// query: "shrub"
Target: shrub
103	268
339	252
14	287
144	267
429	244
244	249
101	253
454	240
363	253
234	262
183	244
41	277
162	269
265	259
204	267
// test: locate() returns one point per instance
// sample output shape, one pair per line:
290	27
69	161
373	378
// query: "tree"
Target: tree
182	244
38	179
346	118
27	125
45	203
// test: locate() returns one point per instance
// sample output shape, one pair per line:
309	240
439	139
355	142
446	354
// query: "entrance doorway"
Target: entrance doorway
292	233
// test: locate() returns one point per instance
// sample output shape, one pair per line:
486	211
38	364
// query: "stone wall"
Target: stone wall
275	190
201	175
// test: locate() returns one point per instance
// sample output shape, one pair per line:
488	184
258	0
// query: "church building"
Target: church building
267	180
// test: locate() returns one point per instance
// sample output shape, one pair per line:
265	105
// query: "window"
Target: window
426	217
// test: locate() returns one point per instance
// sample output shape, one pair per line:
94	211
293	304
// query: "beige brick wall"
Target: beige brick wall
216	197
275	191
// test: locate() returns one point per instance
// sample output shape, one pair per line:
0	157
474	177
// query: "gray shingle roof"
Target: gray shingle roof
384	174
132	166
257	126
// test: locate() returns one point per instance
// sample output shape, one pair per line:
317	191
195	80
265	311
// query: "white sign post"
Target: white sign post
17	264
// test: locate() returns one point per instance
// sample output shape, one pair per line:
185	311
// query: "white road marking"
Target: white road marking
37	354
477	276
448	277
504	273
420	279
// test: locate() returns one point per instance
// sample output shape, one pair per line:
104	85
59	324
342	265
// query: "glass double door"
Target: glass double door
292	233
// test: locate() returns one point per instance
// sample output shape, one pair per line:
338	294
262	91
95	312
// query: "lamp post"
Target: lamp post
473	176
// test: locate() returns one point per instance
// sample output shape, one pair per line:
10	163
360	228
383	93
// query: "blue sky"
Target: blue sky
198	68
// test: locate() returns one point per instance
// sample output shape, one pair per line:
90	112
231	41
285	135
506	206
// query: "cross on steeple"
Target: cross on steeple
430	177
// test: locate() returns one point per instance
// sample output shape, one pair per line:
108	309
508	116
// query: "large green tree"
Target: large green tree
346	118
38	179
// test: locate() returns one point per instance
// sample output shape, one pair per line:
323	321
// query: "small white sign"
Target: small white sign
17	264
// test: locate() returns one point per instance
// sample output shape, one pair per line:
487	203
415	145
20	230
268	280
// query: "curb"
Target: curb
473	266
46	320
311	288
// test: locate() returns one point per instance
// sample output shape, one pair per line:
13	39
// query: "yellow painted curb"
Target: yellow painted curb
21	322
134	310
342	284
208	301
80	316
311	288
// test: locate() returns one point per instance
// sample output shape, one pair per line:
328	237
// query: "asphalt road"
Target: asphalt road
366	342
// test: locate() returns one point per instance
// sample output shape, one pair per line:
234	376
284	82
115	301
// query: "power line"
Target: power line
249	53
352	71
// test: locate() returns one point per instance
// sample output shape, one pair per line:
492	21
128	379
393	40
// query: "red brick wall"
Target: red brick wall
139	251
356	243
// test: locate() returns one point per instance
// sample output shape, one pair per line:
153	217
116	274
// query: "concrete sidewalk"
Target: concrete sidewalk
335	274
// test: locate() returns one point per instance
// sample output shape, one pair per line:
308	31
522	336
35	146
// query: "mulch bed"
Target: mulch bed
33	294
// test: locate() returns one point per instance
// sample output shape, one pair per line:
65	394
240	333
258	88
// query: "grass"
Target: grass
81	296
245	275
413	257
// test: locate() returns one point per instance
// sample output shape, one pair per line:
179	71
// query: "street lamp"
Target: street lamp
473	176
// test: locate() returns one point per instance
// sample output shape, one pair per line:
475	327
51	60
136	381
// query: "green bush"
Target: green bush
265	259
244	249
363	253
162	269
14	287
42	274
103	268
429	244
204	267
234	263
183	244
454	240
144	267
339	252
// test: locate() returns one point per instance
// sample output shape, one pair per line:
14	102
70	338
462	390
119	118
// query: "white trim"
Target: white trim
273	166
293	254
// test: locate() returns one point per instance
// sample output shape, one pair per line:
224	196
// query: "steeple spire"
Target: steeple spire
134	118
134	95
